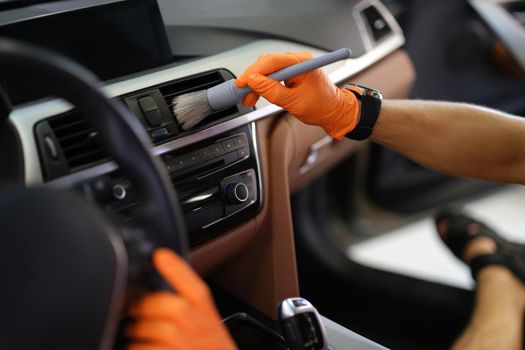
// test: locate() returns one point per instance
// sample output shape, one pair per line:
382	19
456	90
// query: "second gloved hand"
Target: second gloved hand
183	320
311	97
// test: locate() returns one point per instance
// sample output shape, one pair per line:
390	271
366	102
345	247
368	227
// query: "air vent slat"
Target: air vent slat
76	147
88	154
77	140
58	128
77	134
202	82
203	86
66	131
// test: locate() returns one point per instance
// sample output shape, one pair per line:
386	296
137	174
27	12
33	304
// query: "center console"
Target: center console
217	181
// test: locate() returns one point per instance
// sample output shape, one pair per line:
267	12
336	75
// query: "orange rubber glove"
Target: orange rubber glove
185	320
311	97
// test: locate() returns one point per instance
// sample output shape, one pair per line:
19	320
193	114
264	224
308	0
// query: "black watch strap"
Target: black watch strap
370	101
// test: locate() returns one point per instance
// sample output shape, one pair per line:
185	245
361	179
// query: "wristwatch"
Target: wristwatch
370	105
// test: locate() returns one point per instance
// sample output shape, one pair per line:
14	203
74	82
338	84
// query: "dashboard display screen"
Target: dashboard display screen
111	40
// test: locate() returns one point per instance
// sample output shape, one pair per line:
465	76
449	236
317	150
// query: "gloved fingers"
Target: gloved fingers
272	62
178	311
168	306
251	99
157	305
142	346
181	277
296	81
160	332
241	82
270	89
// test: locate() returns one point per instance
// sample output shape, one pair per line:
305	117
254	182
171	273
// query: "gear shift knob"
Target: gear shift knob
301	325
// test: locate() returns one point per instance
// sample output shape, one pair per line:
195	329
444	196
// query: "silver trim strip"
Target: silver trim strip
258	162
25	117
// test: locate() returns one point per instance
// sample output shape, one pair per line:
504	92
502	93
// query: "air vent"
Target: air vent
377	24
77	140
517	10
196	83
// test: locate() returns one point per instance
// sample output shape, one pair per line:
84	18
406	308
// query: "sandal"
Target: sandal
461	229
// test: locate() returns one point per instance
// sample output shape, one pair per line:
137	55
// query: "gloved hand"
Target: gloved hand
311	97
185	320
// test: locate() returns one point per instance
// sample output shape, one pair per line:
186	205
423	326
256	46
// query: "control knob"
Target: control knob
237	193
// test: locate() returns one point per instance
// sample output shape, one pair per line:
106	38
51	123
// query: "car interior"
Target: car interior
96	170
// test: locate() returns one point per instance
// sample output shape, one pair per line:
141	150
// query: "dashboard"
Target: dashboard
235	171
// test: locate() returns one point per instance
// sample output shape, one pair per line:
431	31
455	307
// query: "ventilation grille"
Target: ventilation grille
517	9
379	27
77	140
196	83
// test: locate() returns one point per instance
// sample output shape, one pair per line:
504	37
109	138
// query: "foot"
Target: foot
478	245
481	245
497	320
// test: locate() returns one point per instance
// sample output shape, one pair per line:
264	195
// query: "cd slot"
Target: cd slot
201	199
205	169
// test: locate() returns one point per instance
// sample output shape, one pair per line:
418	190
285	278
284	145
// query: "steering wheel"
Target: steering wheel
65	262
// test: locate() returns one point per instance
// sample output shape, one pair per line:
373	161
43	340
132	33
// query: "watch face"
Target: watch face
374	93
362	90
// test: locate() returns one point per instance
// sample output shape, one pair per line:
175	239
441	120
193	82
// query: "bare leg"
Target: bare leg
497	320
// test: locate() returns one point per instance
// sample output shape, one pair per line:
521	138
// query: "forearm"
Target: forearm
455	139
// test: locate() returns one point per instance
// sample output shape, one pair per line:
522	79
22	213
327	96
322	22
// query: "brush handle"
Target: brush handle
311	64
228	94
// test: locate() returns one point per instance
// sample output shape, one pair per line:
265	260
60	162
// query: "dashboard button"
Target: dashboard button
243	153
217	149
151	110
229	145
205	154
237	193
240	141
190	159
194	157
159	133
119	191
180	162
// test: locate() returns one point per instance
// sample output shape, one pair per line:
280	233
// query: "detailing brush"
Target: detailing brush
191	108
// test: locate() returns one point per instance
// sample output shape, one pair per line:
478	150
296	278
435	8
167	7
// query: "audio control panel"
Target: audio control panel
217	181
224	151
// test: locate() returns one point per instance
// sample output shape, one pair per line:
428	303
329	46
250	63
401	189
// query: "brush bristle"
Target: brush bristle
190	109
